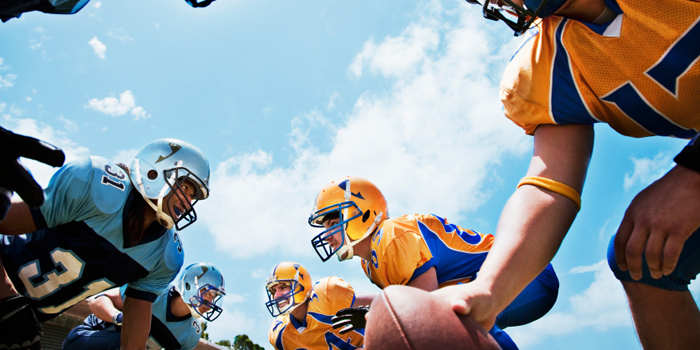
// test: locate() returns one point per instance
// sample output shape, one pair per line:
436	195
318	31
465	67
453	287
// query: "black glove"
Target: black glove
14	177
19	328
351	318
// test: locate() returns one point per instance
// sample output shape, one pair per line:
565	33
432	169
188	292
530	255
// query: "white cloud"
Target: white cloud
28	99
259	273
2	64
439	130
331	101
120	34
68	125
97	4
602	306
647	170
116	107
98	46
8	80
139	113
124	156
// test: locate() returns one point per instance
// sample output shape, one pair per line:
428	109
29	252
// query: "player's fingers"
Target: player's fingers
460	306
634	250
341	323
621	238
672	252
653	251
346	329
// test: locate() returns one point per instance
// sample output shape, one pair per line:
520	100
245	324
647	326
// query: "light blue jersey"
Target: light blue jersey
80	248
168	330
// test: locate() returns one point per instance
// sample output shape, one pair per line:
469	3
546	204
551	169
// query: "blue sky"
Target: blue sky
286	96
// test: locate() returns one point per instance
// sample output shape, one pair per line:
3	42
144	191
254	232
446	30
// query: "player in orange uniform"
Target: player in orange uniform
303	312
634	65
423	251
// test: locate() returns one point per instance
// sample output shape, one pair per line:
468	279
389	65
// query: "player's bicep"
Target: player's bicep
562	153
426	281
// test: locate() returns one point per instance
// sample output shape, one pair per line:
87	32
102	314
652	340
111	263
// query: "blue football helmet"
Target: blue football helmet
162	166
202	288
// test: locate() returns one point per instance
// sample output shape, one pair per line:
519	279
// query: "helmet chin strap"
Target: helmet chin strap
162	218
346	252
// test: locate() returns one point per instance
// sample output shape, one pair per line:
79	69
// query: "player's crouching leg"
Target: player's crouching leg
19	328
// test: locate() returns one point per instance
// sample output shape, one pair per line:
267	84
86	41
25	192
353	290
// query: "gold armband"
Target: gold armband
554	186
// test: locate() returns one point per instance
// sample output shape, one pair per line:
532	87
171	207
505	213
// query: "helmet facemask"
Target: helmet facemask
200	301
323	247
201	191
525	17
273	304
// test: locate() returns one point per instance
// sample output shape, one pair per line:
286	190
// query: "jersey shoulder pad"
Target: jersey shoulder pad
174	255
110	185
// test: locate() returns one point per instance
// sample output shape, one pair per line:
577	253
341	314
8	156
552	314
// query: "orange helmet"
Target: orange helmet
358	204
299	282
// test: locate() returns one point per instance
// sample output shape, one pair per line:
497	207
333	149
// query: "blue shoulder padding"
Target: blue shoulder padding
110	185
174	254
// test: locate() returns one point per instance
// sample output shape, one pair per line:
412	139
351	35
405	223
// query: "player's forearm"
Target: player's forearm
137	324
532	227
103	308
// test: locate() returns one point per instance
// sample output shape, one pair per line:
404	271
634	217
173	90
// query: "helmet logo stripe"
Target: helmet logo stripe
174	147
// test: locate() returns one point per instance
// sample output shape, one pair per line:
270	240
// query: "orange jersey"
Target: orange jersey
639	73
405	247
328	296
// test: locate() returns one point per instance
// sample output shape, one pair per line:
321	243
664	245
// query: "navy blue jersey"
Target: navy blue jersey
80	248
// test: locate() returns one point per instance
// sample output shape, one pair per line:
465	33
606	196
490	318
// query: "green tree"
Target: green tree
242	342
204	334
225	342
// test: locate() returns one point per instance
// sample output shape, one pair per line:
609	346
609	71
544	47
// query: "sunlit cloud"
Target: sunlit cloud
438	131
647	170
8	80
602	306
98	47
116	107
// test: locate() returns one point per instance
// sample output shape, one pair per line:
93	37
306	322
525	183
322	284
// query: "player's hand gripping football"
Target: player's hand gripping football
352	318
473	300
14	177
658	222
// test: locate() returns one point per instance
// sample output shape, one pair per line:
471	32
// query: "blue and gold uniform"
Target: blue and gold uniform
639	73
405	247
327	296
80	248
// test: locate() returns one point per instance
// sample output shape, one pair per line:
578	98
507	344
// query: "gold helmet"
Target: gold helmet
358	204
299	281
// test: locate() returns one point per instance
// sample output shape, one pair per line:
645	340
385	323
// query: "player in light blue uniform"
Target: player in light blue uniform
96	231
174	325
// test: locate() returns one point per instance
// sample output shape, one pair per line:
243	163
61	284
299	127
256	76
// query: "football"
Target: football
407	318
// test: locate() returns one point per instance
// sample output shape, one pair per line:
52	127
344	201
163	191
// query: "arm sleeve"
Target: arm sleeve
340	293
68	196
402	258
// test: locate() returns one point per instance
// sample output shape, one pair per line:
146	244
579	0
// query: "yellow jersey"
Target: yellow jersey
327	296
639	73
405	247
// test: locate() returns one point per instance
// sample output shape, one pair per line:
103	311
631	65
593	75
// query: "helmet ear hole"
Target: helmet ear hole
152	174
365	216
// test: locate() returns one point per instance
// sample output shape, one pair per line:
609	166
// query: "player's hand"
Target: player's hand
658	222
351	318
19	328
473	300
13	176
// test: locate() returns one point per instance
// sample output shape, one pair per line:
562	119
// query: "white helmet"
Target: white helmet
160	167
